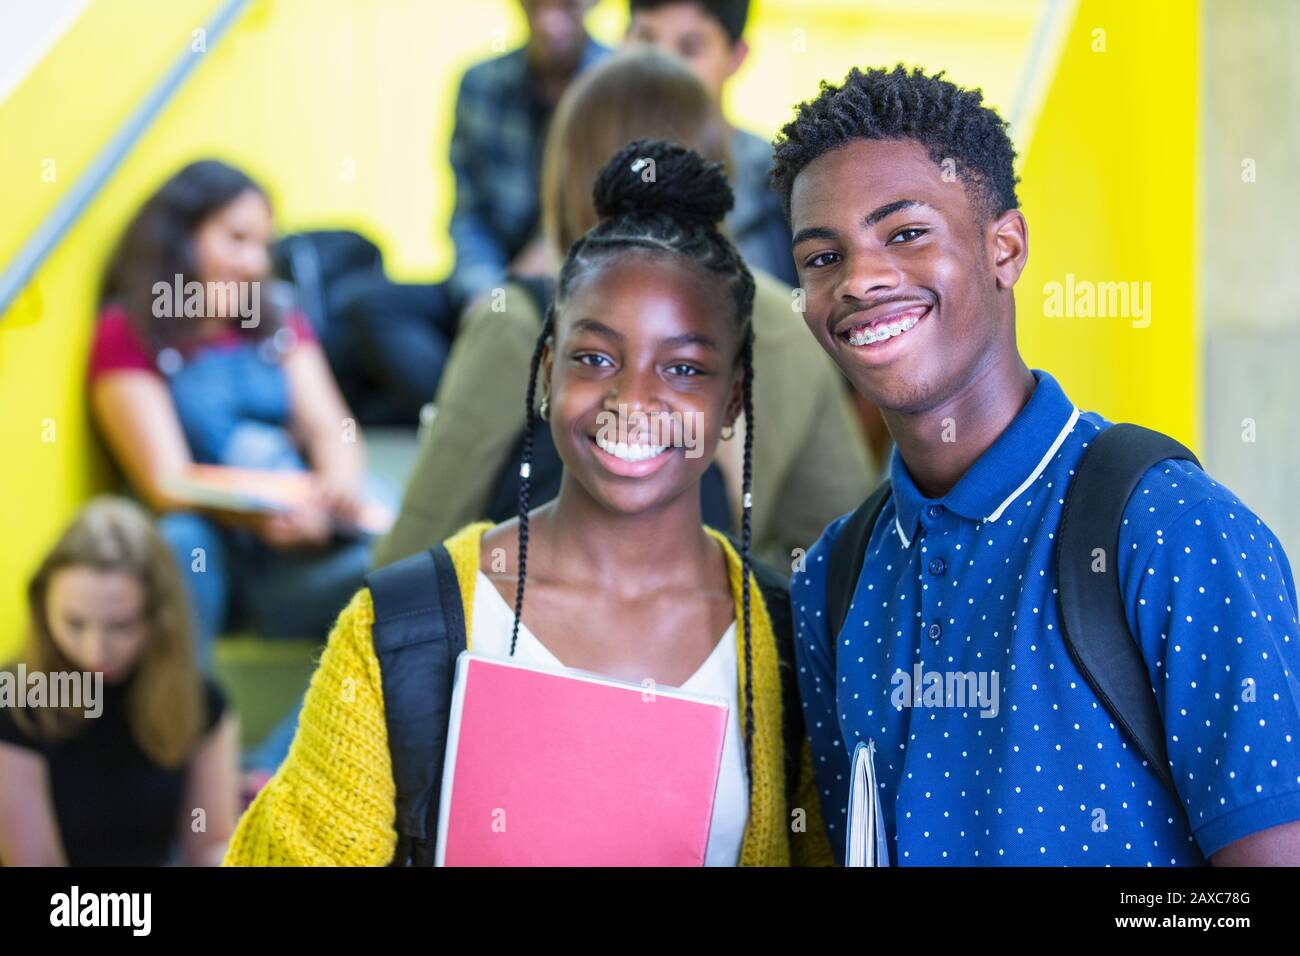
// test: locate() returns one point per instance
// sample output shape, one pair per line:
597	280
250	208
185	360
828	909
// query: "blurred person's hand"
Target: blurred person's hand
338	493
305	527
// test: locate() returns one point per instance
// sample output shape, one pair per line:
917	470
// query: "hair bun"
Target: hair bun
651	176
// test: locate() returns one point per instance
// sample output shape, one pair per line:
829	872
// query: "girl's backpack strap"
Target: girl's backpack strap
419	631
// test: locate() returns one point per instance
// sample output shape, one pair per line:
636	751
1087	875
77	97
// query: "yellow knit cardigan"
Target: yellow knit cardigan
332	802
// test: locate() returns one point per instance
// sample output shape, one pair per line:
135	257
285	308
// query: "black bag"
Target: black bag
1093	620
323	268
419	630
317	263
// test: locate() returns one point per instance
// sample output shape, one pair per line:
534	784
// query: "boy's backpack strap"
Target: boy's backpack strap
1093	618
847	556
419	631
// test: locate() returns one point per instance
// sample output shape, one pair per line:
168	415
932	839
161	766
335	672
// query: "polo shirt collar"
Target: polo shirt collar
1003	473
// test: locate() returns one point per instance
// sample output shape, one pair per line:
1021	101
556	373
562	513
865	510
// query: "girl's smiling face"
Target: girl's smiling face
642	375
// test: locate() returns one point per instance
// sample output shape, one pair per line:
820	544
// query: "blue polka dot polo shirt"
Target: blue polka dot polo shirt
990	746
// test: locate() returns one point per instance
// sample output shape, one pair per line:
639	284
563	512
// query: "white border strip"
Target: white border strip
902	537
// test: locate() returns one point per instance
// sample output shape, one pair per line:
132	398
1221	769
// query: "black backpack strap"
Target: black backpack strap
847	555
1093	618
419	631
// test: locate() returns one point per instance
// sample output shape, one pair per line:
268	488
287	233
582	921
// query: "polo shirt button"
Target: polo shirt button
935	511
938	566
936	631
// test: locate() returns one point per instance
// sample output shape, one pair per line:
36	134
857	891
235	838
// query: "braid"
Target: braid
746	534
525	470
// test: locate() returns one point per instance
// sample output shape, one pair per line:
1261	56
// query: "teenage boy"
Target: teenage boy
709	36
908	241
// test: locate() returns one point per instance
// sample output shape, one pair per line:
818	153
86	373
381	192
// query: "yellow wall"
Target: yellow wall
61	115
343	109
333	104
1109	191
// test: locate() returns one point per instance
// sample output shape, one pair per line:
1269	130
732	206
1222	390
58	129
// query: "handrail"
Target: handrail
61	218
1055	19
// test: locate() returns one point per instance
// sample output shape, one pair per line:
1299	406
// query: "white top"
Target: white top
492	621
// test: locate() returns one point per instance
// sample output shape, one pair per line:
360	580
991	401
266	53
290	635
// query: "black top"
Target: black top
113	804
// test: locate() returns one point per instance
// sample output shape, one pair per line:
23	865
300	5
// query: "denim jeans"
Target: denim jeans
233	405
234	579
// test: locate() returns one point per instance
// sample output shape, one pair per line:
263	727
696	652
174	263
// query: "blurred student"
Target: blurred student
652	313
173	385
709	35
146	776
809	465
503	109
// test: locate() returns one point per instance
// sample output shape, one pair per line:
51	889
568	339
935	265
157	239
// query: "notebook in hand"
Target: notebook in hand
550	768
866	845
255	490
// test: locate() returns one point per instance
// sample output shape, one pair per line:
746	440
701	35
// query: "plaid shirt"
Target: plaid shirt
496	155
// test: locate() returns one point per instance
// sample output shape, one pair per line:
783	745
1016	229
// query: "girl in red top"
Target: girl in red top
193	363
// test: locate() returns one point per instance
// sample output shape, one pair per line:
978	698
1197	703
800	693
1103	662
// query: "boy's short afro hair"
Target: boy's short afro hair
949	122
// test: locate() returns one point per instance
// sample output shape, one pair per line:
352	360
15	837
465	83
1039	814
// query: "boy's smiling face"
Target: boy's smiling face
906	286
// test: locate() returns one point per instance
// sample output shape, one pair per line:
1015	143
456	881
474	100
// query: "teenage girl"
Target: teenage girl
146	773
652	315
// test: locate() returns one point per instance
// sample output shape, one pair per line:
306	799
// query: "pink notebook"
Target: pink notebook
573	769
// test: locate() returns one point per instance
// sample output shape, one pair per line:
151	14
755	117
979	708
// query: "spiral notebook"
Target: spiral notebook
566	768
